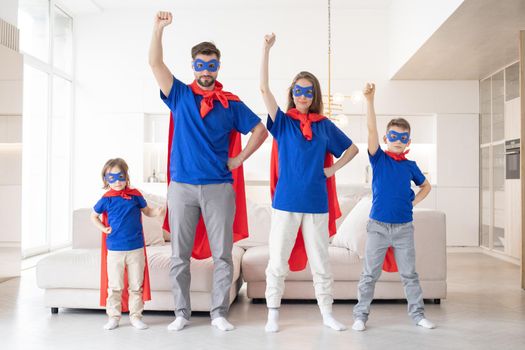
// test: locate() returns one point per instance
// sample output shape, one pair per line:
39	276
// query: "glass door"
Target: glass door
492	97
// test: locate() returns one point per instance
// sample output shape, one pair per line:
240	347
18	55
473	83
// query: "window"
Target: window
47	46
59	162
33	20
62	41
497	96
34	159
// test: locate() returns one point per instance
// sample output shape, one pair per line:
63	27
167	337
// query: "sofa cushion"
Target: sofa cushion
345	265
259	222
346	204
352	232
158	201
431	264
86	235
80	268
153	233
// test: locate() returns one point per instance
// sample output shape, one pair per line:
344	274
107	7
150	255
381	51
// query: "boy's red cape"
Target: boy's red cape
201	247
146	290
298	258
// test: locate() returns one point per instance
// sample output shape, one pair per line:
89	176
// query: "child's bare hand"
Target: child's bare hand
269	40
156	211
369	91
107	230
329	172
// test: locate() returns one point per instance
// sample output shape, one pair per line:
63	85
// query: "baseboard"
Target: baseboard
501	256
464	250
9	244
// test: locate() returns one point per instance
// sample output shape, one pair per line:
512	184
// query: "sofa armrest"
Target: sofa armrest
430	240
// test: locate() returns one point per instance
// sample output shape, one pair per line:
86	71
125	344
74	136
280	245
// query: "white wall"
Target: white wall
9	11
11	72
458	176
115	86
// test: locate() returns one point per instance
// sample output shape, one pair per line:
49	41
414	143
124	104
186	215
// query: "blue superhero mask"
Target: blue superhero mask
394	136
211	66
114	177
307	91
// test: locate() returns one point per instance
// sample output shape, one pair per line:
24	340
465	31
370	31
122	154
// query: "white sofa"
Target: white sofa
346	267
71	278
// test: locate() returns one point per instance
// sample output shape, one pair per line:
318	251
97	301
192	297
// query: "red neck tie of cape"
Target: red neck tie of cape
305	120
208	96
397	156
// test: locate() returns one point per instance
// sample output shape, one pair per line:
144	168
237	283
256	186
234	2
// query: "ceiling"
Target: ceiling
478	39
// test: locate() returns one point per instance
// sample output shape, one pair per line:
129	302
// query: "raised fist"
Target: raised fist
369	91
269	40
163	19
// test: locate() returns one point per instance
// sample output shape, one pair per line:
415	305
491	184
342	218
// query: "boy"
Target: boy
391	216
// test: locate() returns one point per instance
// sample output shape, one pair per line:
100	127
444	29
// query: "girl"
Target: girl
304	195
123	250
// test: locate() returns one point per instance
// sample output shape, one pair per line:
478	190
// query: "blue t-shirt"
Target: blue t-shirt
392	194
199	153
124	217
301	187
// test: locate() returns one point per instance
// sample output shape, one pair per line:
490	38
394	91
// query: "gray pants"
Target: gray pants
380	236
216	203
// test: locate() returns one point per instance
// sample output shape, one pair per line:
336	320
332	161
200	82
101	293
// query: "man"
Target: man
203	118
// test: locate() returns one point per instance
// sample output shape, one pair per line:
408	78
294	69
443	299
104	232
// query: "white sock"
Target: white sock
111	324
137	323
179	323
272	325
330	321
222	324
426	324
359	325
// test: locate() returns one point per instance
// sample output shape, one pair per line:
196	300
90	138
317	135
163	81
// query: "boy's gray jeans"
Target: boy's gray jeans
401	237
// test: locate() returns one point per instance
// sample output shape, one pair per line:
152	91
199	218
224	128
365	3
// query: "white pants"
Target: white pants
281	241
134	261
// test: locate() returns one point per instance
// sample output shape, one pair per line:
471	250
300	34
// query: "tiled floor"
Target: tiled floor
485	310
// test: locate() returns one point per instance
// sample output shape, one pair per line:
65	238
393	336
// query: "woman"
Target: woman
304	199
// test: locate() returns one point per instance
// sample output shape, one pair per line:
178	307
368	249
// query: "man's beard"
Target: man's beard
206	83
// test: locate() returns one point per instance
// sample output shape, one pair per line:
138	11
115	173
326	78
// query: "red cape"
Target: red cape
298	258
146	290
201	247
389	265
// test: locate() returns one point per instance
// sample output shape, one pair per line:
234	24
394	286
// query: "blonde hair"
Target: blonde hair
116	162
